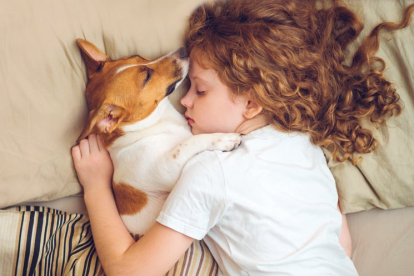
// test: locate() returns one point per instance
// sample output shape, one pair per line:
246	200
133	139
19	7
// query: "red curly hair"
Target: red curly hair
291	55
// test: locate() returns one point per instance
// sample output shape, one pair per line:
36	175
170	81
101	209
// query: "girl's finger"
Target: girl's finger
100	142
76	153
93	143
84	147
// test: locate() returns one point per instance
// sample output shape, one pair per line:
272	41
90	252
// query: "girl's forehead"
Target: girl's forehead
199	72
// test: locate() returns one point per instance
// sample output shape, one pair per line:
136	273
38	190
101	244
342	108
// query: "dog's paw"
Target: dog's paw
225	141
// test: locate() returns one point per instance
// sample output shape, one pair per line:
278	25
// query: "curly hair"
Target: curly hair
291	56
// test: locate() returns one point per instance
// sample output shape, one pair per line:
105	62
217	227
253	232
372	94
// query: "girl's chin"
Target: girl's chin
195	130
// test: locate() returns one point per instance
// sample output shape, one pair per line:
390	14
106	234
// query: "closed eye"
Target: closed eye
200	92
148	76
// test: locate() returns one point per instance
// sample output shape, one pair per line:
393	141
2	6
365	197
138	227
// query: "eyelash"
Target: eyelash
148	77
197	92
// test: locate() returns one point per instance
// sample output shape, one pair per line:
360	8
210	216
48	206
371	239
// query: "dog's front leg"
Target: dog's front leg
173	161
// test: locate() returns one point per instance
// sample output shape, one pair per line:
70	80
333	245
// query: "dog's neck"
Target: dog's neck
152	119
141	127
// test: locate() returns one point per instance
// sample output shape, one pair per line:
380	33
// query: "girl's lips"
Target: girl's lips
189	120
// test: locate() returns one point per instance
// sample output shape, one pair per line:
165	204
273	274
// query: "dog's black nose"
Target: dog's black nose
183	52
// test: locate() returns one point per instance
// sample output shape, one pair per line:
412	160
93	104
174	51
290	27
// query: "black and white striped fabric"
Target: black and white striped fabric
44	241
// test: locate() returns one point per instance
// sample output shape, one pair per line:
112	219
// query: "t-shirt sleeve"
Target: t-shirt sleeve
197	202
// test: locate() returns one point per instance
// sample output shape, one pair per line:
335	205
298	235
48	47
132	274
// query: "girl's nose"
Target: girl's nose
187	100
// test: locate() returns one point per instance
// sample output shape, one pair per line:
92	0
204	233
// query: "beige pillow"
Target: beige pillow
385	179
43	78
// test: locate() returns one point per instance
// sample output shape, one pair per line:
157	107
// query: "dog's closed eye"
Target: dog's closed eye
149	74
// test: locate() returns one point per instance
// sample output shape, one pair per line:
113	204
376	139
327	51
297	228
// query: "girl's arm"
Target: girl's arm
153	254
345	237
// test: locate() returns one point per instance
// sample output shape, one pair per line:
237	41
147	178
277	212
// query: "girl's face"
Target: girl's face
211	106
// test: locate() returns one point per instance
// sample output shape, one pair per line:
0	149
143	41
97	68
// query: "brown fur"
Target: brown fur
128	199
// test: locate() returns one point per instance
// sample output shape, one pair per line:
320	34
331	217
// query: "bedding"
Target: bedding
44	241
382	241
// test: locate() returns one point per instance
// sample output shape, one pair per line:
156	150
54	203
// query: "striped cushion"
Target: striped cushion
45	241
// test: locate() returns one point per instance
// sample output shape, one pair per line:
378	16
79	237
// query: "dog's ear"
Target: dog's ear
103	120
93	57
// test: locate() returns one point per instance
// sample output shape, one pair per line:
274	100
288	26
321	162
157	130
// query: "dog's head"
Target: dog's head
124	91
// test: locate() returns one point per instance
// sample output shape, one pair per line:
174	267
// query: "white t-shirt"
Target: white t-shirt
268	207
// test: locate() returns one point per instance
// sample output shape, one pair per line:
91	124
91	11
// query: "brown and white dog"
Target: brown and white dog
148	139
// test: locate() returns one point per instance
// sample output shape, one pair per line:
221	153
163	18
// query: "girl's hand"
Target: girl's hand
93	163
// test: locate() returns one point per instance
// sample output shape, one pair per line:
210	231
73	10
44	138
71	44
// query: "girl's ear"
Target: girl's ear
252	107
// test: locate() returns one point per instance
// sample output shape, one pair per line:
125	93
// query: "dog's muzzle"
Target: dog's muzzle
183	53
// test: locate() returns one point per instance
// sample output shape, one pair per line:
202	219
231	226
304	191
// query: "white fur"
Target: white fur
148	63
